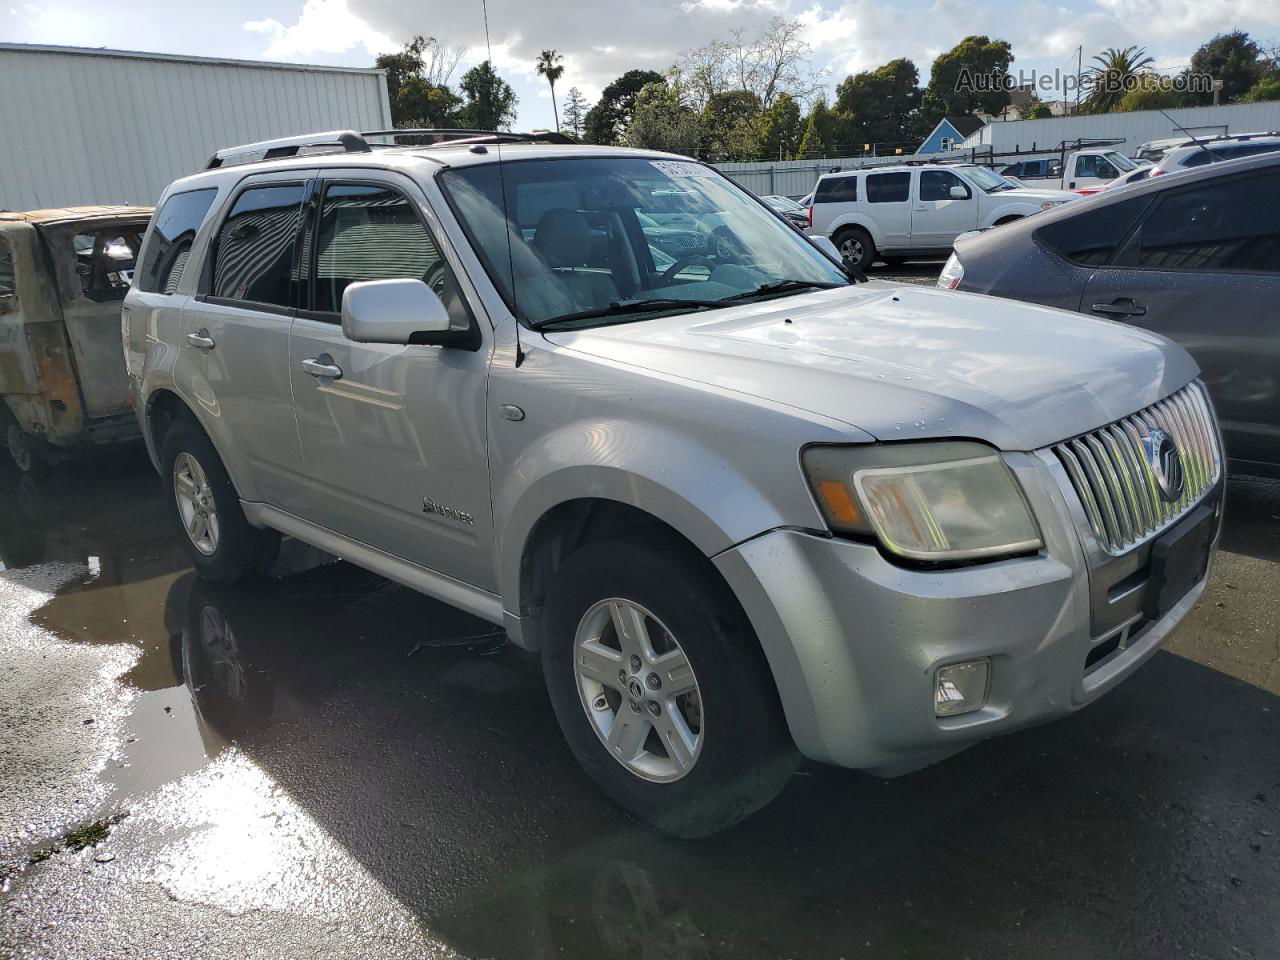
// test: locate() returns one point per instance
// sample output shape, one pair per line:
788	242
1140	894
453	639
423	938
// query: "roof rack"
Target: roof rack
456	135
347	141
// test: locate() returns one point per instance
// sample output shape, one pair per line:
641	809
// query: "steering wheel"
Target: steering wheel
674	270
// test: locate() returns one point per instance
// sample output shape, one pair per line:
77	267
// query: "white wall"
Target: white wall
795	178
90	126
1134	128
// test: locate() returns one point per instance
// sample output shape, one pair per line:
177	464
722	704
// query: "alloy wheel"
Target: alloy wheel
851	250
196	506
638	690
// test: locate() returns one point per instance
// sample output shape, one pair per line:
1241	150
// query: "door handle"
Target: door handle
201	340
1119	307
318	367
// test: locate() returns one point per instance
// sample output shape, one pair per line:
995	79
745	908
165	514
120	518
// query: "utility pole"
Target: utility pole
1079	73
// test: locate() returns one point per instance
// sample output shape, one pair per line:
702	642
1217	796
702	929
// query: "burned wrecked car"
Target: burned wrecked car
63	275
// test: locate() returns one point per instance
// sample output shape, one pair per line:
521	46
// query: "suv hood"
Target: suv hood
909	362
1030	193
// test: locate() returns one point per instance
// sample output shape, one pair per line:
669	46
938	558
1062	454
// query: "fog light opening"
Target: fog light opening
961	688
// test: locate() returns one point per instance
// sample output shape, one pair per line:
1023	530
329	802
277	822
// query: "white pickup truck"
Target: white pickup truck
895	213
1084	171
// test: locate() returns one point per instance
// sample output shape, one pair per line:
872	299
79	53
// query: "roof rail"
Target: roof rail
463	135
347	141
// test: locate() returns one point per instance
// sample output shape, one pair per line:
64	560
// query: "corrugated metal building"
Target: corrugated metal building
1134	128
81	126
795	178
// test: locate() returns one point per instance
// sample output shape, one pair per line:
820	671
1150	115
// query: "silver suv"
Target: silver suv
746	509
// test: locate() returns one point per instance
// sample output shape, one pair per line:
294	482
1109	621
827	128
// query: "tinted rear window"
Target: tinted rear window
255	246
1228	224
169	242
1201	157
888	187
836	190
1092	235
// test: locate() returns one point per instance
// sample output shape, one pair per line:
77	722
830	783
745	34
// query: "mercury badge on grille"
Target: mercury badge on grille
1166	464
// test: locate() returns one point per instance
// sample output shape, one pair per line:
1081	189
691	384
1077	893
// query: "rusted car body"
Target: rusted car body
63	275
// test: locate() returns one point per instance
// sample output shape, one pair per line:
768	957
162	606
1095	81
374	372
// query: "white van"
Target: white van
899	212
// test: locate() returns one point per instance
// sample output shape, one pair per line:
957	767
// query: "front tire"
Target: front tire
222	545
856	247
661	688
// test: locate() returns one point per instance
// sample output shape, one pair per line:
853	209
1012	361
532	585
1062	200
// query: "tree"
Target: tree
490	101
1114	73
879	106
1234	59
775	61
550	65
418	83
781	129
819	133
1152	92
607	121
1268	88
575	111
731	126
968	77
662	120
1039	111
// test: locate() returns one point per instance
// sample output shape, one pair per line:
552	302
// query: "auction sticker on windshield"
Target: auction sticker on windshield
680	168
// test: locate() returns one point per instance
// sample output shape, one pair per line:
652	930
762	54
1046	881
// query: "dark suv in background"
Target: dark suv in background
1194	257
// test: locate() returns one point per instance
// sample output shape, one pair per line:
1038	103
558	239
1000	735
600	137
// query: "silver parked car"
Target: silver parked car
745	509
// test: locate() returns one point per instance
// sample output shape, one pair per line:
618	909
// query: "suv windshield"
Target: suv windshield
1123	163
988	180
594	240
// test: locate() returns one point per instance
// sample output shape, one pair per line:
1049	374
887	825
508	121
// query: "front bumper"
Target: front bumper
855	640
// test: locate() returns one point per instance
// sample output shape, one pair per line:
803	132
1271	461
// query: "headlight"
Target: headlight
926	501
951	274
1050	204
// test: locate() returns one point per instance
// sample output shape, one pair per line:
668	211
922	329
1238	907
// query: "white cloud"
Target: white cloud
323	27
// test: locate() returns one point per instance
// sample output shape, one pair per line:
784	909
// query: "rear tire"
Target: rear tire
220	541
673	772
855	246
23	449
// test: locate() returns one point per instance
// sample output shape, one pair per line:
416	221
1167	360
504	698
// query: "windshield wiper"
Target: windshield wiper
779	286
624	308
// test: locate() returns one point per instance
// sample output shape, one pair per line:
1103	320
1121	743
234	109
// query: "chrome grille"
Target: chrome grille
1113	478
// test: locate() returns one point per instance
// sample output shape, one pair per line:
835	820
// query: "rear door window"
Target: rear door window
836	190
1092	236
253	261
888	187
169	241
1224	225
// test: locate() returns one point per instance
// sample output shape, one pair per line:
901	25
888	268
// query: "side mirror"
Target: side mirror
959	193
826	246
394	311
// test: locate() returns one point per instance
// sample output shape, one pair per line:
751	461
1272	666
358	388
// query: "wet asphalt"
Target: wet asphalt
328	765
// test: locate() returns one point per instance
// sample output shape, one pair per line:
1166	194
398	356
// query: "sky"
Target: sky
600	40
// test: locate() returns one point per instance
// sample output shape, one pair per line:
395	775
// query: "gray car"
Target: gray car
745	509
1194	257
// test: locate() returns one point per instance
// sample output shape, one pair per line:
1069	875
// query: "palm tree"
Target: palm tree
551	67
1115	73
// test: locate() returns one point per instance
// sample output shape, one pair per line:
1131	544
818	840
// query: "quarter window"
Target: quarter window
168	244
6	272
836	190
1090	238
1224	225
888	187
937	184
254	258
371	232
